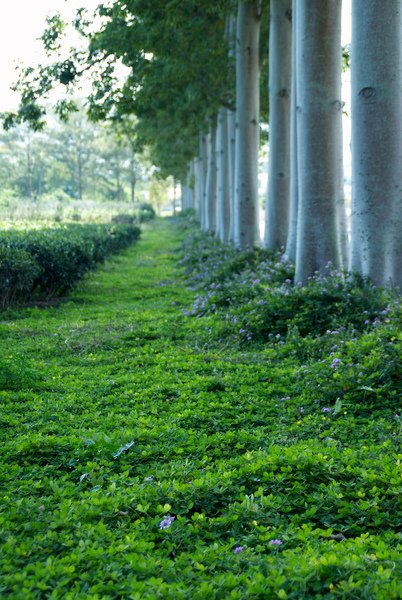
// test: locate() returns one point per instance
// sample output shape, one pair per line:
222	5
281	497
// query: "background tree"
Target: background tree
75	159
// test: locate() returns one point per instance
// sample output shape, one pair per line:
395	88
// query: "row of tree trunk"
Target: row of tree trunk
305	207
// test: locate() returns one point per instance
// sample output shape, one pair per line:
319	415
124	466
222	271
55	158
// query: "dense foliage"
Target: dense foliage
49	260
144	457
173	83
253	291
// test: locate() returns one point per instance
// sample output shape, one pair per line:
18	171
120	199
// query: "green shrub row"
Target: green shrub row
49	261
145	212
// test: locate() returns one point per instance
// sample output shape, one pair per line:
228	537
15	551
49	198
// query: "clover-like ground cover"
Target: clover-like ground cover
143	456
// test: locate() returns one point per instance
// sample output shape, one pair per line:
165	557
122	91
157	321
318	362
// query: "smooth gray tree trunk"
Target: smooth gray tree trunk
319	135
191	198
203	178
280	80
247	124
376	71
223	181
232	170
294	183
187	188
210	200
197	188
231	115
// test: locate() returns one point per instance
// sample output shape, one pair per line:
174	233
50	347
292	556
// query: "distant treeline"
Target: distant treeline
72	160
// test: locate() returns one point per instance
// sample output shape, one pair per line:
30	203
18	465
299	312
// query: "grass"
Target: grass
145	457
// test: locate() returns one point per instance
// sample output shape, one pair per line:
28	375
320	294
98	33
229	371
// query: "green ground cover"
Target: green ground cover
149	452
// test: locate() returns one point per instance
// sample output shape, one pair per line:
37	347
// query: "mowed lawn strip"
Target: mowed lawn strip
140	461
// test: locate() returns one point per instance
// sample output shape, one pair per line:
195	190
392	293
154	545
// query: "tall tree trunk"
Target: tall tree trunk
294	183
223	183
376	72
232	170
319	135
280	79
204	142
187	187
197	189
231	115
247	123
210	206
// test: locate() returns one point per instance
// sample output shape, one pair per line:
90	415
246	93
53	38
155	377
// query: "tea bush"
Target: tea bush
49	260
18	272
145	212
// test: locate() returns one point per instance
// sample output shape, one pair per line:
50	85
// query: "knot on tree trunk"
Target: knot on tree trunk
367	93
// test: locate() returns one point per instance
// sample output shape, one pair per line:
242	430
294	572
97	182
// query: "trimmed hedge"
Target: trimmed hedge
51	260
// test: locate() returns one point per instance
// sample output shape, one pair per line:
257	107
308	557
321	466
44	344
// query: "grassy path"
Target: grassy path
116	417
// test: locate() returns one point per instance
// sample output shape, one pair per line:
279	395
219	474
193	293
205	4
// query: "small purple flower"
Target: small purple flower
275	542
326	409
301	410
242	331
166	522
238	549
335	363
149	478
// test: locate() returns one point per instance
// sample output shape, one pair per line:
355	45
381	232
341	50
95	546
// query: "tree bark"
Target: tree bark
210	206
280	79
294	183
187	189
376	71
247	123
231	115
197	189
319	135
203	178
223	181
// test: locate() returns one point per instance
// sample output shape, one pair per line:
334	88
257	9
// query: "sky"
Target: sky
21	25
